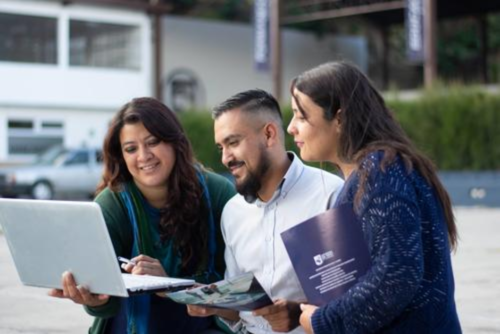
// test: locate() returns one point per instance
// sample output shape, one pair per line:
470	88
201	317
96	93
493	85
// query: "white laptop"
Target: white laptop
47	238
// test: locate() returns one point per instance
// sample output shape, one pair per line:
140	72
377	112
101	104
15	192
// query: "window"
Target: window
20	124
28	39
78	158
27	137
98	157
51	125
183	91
104	45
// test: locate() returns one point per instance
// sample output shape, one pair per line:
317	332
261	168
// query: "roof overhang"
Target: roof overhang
385	12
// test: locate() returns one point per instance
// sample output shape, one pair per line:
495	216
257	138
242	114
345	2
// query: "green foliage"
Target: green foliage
227	10
457	127
494	28
181	7
200	131
459	49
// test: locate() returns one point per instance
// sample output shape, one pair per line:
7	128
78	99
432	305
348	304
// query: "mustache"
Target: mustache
235	163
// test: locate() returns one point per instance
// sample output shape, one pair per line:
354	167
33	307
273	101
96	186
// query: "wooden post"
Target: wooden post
276	48
384	30
483	33
157	54
430	31
158	68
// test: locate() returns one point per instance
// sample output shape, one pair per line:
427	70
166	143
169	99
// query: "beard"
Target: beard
251	184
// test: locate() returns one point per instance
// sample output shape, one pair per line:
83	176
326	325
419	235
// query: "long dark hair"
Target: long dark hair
367	125
181	218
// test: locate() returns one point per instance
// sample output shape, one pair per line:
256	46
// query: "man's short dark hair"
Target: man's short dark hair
252	101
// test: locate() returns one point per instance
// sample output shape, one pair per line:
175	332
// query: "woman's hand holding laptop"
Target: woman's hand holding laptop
77	294
139	265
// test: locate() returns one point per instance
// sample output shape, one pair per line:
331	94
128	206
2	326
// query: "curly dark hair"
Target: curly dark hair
180	218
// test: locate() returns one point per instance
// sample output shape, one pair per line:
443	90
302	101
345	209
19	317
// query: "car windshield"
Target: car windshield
53	156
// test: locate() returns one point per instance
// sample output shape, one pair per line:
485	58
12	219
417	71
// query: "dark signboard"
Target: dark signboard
261	35
414	21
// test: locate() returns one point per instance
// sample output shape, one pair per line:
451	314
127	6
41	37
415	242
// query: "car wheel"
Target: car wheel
42	190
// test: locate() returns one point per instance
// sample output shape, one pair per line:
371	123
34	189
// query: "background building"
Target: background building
66	69
204	62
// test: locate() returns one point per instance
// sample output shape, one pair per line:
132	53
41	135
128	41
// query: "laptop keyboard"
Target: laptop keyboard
146	282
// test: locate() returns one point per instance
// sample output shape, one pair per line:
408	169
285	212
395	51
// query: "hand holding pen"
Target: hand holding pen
125	262
142	265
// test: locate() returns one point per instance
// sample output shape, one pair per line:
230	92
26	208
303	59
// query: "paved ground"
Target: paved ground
477	270
476	265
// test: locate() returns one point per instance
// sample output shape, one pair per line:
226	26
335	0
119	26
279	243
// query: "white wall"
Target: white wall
81	88
74	87
83	99
81	127
221	55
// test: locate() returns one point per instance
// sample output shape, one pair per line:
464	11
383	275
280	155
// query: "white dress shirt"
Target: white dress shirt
252	233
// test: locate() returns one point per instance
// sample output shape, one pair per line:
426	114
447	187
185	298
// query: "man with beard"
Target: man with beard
276	191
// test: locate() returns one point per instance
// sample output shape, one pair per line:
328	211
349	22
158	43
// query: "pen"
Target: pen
126	261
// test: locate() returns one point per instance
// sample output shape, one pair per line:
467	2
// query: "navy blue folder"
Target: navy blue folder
328	253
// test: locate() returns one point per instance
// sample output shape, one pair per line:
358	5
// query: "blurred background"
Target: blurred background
66	66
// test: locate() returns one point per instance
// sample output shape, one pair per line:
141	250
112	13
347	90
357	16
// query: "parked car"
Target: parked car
59	172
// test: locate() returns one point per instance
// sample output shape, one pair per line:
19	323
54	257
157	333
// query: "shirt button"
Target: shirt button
269	239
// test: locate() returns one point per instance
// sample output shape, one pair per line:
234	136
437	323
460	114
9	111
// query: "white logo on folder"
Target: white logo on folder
320	258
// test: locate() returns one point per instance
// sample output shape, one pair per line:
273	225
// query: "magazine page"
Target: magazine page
242	293
328	253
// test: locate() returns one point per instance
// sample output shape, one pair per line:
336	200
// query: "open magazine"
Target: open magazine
242	293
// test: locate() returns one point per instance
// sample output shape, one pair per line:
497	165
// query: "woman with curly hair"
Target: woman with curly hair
162	209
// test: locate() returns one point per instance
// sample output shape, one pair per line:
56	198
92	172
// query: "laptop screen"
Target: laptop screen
47	238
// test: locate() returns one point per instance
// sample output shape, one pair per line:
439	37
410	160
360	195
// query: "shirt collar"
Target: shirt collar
291	177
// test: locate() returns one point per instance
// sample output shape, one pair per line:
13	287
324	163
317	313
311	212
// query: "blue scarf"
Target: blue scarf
138	307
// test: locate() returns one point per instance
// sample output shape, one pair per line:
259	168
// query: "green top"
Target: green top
121	233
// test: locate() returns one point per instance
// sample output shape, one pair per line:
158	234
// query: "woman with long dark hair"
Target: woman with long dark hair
162	210
404	211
